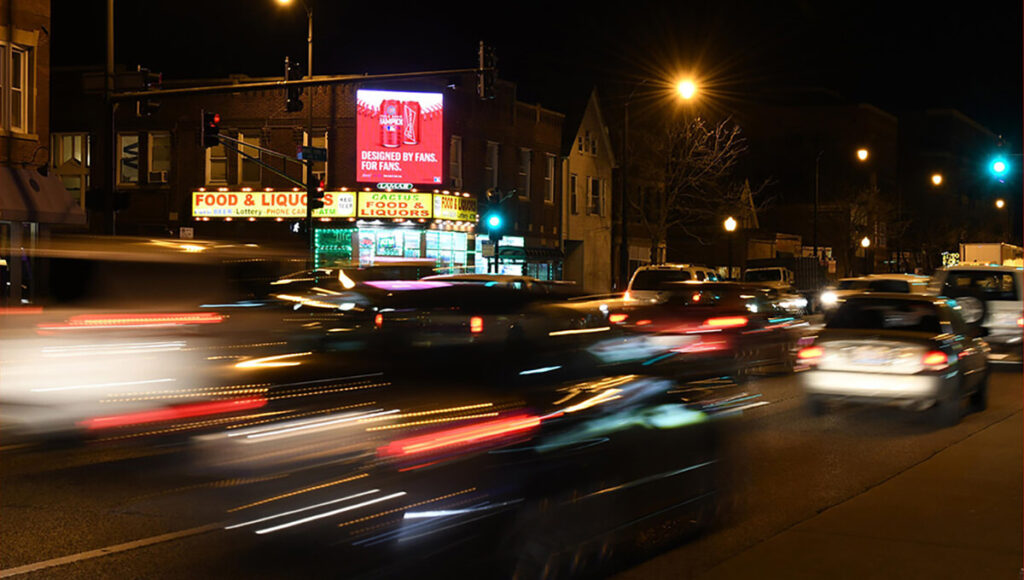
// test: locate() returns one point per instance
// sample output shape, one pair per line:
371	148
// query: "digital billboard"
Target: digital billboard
399	137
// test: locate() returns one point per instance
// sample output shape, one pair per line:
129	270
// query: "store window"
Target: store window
128	158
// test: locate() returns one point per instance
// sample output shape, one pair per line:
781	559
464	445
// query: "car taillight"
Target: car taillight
1020	322
617	318
476	324
810	354
726	322
133	320
450	439
378	320
935	359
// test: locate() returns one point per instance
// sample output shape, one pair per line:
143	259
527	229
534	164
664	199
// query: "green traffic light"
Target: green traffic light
494	221
999	167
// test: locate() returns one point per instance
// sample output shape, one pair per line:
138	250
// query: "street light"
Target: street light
936	179
1000	203
730	227
862	154
687	90
865	243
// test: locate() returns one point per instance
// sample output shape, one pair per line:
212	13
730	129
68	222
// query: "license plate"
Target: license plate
872	355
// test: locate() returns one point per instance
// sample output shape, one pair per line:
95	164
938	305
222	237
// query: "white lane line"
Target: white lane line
9	572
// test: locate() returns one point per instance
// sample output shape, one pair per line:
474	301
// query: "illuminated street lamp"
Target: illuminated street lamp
936	179
865	242
862	154
730	227
1000	203
687	89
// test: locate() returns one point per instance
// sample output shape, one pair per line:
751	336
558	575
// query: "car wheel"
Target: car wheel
947	410
979	399
816	405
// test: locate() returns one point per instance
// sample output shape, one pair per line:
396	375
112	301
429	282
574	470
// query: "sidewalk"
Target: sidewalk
956	515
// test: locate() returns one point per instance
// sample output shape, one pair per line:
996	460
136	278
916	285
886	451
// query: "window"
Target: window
217	165
455	161
18	82
574	207
579	144
491	166
523	177
549	178
249	172
128	158
159	157
69	158
595	204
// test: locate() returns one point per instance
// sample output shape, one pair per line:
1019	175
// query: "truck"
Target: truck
998	254
803	275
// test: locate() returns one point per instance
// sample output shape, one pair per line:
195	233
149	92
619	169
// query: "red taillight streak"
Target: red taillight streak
935	358
378	320
726	322
1020	322
460	436
476	324
642	322
21	310
136	320
617	318
701	346
174	413
810	353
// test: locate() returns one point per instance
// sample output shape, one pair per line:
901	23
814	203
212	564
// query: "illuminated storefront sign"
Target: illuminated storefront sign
269	204
453	207
380	204
399	137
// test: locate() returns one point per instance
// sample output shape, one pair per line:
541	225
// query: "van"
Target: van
650	283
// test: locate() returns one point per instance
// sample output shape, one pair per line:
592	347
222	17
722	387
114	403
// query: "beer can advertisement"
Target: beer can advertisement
399	137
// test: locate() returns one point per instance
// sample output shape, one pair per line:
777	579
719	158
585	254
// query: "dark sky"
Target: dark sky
898	55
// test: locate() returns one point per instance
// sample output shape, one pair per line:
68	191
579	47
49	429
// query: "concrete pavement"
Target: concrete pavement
958	514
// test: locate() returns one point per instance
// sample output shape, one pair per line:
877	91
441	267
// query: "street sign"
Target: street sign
394	186
487	249
307	153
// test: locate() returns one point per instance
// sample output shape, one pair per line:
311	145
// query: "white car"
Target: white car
990	296
648	283
899	283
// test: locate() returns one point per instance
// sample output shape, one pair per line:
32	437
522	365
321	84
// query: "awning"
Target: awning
28	196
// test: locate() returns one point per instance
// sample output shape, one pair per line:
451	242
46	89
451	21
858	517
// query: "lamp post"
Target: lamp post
730	227
862	156
865	243
311	187
687	90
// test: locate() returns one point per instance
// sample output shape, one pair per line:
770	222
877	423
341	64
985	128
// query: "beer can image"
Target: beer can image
390	118
410	123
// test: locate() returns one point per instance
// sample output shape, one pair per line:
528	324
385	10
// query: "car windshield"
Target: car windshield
656	279
880	314
981	284
852	284
888	286
763	275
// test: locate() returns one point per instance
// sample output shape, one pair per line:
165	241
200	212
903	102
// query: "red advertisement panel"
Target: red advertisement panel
399	137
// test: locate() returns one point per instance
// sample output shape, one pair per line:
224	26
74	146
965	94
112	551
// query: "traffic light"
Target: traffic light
999	167
494	223
486	72
292	72
150	80
211	129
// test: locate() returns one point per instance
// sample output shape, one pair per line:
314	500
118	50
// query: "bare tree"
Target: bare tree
683	172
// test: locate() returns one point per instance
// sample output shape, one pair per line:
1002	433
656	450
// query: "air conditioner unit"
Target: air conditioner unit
158	177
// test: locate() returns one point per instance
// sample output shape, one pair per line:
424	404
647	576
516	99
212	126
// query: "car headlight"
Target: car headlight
829	298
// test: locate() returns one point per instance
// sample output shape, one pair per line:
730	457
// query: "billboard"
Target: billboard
269	204
399	137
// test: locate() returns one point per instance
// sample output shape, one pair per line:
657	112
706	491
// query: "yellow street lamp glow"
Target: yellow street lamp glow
730	224
865	242
936	179
1000	203
284	2
687	89
862	154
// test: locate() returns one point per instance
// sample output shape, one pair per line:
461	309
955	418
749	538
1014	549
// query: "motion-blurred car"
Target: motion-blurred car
990	297
555	288
706	330
907	349
648	282
901	283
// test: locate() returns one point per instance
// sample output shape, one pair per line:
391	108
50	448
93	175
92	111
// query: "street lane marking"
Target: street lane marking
107	551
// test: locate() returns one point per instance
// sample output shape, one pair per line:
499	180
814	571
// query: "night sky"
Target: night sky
896	55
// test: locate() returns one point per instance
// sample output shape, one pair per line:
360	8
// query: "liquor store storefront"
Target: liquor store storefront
362	227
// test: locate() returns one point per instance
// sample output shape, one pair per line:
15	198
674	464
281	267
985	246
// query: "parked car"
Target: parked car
648	282
908	349
990	297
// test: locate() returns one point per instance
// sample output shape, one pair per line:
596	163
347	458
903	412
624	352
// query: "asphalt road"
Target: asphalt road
131	511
